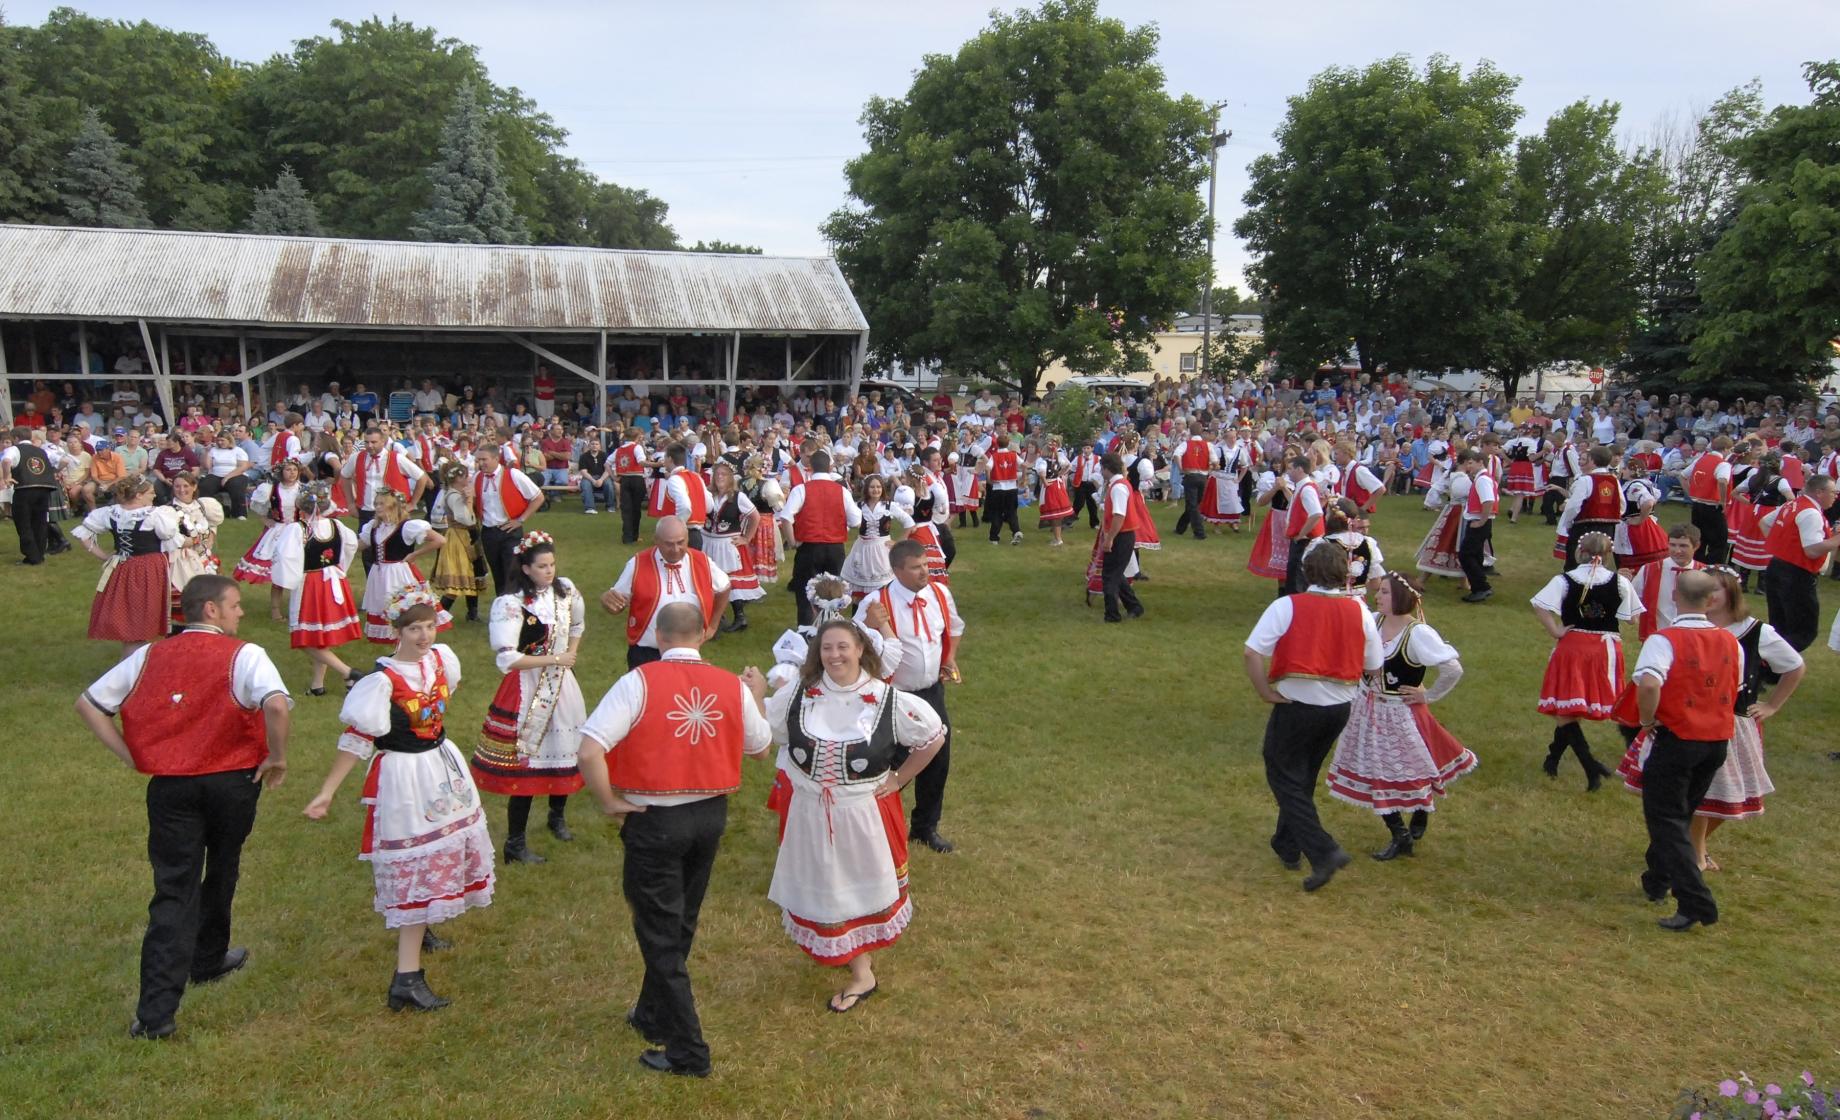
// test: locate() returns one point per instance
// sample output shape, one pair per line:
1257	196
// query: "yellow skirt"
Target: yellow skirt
460	566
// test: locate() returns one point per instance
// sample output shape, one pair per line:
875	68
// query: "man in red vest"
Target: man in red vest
1303	522
685	494
819	514
1003	470
379	463
661	753
668	572
1708	489
1196	459
629	468
1480	503
1686	692
1306	658
1798	541
1085	477
1117	539
1594	504
205	716
503	497
1654	583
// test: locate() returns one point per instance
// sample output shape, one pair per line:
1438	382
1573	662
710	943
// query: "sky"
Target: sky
741	115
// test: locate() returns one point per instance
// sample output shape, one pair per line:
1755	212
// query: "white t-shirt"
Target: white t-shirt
222	460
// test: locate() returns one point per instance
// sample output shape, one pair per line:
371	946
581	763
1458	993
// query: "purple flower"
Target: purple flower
1771	1108
1752	1096
1728	1088
1773	1089
1808	1079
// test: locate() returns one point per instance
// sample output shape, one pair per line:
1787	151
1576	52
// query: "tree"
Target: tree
1232	352
99	187
468	201
1071	415
723	247
1382	221
28	161
1034	197
1575	198
285	209
1771	284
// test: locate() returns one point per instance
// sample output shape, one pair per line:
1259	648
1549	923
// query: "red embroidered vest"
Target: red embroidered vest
514	501
1703	479
183	717
647	586
820	519
1701	689
689	736
1605	502
1785	540
1324	641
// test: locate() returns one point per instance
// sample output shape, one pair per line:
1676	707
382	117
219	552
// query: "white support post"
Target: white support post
666	343
6	384
162	379
856	363
600	374
166	356
734	363
83	347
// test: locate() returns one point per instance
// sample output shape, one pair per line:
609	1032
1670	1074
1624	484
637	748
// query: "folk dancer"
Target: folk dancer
1800	543
1114	560
1708	491
763	490
380	465
686	497
1479	506
1085	476
1763	490
1055	505
670	571
393	541
424	829
1366	563
629	469
1196	459
278	502
1639	539
1306	658
1003	471
661	752
1654	583
866	569
1583	610
1270	555
729	533
922	634
196	551
933	483
29	467
818	515
460	569
1593	505
312	558
1394	756
503	497
132	600
1302	522
205	716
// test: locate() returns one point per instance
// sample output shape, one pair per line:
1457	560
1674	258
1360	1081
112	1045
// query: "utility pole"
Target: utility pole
1216	141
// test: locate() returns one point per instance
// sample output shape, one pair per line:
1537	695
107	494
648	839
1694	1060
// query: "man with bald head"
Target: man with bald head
670	571
1686	693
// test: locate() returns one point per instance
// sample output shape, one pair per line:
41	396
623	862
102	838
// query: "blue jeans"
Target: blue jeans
554	477
589	489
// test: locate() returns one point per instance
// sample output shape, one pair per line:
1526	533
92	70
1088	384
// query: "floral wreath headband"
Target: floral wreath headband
531	540
414	595
828	607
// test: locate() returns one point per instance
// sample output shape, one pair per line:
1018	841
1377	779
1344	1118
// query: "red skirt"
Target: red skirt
1421	479
1056	506
133	606
1213	501
496	765
766	549
1271	553
253	568
935	556
1583	675
322	622
1523	479
1146	527
1437	554
1643	543
1747	546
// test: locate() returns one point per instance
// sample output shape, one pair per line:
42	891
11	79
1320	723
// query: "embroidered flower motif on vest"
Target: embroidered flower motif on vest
694	714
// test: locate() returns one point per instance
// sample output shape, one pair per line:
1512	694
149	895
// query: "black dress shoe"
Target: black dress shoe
656	1061
1136	612
1679	923
644	1030
433	942
1400	845
1114	618
1291	863
1478	596
138	1029
517	851
233	960
409	990
559	828
937	842
1551	765
1655	898
1320	875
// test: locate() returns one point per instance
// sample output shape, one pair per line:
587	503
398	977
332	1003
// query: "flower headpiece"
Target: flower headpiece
829	595
531	540
412	595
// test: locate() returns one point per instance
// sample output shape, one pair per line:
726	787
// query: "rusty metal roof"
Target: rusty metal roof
250	280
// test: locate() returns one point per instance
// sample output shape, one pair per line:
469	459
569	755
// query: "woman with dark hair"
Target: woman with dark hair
393	540
1583	610
532	731
866	568
729	532
1394	757
196	554
312	555
460	568
278	502
849	743
424	828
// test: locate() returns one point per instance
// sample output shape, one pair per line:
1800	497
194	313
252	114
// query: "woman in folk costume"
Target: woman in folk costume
1342	529
967	490
393	540
1761	491
1583	610
1437	553
460	568
764	491
849	742
1140	472
424	827
1525	480
277	500
133	600
1738	789
1056	503
729	532
1640	539
1432	476
1270	556
866	568
312	555
197	551
1395	757
918	499
533	724
1221	500
326	464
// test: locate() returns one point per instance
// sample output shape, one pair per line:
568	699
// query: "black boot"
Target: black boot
1420	819
410	990
517	851
1555	751
433	942
1401	844
1594	771
558	825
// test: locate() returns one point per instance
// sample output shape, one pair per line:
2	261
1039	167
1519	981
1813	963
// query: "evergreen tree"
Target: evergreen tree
99	187
285	209
468	201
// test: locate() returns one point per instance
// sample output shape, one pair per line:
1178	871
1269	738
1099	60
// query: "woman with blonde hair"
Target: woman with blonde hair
1583	610
394	541
132	600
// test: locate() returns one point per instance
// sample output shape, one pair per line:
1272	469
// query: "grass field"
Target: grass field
1113	939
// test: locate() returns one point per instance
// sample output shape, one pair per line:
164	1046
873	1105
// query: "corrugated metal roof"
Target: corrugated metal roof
245	279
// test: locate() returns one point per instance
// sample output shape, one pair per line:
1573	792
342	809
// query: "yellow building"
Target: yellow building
1175	354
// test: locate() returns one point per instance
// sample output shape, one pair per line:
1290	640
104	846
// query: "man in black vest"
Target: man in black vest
31	469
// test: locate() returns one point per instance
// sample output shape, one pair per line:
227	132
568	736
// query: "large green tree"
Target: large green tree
467	197
285	208
1383	221
1574	200
99	187
1033	197
1771	285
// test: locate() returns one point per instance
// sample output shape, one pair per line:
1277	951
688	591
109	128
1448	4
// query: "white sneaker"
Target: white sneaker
591	512
1017	539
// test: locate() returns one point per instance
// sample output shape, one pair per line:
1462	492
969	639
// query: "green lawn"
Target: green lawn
1114	938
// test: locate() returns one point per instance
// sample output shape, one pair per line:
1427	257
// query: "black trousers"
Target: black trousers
32	517
1000	509
1298	738
1117	587
1579	530
670	850
930	783
1471	551
632	504
1553	500
195	831
1674	781
236	489
948	544
696	538
1294	583
1245	492
500	546
1714	537
809	560
1192	487
637	655
1086	500
1795	602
